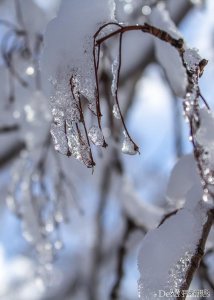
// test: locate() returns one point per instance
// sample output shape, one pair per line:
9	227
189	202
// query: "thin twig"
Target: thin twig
9	128
130	227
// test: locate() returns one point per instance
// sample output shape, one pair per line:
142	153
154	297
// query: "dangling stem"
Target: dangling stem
117	88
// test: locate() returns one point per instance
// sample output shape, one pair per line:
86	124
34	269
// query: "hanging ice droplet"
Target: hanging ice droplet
49	226
96	136
129	146
58	245
11	203
114	69
116	112
59	217
207	198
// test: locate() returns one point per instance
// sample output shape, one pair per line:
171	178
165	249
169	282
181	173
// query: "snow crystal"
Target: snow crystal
96	136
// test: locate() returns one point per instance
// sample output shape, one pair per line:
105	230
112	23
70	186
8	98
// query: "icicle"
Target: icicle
116	112
115	66
59	138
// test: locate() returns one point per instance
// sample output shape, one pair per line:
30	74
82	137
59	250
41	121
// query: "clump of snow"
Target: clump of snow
183	177
145	214
69	42
165	252
205	138
68	62
192	59
167	56
205	133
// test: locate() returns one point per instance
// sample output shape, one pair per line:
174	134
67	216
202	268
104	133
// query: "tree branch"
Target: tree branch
9	128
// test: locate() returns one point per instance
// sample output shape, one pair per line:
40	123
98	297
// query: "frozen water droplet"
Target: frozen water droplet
96	136
129	147
30	70
59	217
11	203
49	227
116	112
40	284
207	198
58	245
29	113
146	10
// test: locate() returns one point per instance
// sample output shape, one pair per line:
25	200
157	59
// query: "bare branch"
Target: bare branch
9	128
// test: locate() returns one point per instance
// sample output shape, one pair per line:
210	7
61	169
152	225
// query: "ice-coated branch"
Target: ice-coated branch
70	139
194	67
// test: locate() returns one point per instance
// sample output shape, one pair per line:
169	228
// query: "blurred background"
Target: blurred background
66	233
